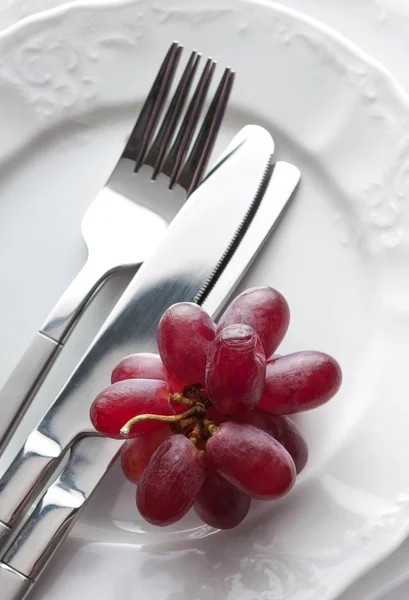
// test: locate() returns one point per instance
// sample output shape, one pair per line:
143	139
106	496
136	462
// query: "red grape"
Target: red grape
185	333
216	416
265	310
284	430
251	460
299	381
123	400
233	441
136	453
171	481
221	505
140	366
235	370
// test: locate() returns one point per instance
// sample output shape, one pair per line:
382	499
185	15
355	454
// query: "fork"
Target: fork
133	230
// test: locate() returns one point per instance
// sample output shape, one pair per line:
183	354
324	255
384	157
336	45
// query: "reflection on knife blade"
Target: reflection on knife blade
230	210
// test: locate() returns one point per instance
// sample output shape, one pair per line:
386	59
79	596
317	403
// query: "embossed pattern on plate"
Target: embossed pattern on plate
364	22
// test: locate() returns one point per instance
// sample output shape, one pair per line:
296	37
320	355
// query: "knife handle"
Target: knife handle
56	512
13	585
30	372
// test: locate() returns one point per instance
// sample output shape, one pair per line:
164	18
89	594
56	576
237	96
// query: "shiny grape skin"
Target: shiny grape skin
136	453
144	365
235	370
221	505
251	460
300	381
185	333
121	401
284	430
265	310
171	482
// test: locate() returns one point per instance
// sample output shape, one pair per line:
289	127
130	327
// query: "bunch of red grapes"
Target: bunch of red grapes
205	420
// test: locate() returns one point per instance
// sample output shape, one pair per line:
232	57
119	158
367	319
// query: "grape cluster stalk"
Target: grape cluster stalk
206	420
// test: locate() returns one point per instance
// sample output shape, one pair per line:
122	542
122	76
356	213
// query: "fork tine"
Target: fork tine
174	161
148	117
193	170
161	143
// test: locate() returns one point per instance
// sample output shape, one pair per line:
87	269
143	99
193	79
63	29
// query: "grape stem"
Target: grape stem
186	423
194	435
181	399
191	427
210	426
194	410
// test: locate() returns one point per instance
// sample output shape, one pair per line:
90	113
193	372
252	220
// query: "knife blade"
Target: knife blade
196	254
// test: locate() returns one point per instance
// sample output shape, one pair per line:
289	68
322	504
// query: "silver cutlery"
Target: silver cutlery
133	231
63	460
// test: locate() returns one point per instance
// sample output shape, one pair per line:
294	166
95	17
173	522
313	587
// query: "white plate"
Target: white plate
380	27
341	257
364	22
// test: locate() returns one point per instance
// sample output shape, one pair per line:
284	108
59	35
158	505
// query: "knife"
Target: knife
223	224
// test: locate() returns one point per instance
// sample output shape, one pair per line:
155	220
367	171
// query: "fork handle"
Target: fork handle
36	362
65	314
24	382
